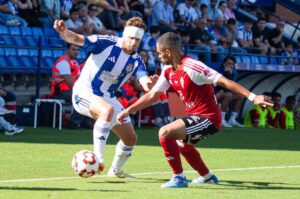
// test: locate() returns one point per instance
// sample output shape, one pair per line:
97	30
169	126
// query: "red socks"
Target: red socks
192	156
172	153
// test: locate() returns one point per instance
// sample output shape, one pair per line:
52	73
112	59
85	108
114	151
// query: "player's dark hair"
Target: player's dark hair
290	98
229	57
154	29
267	93
275	94
169	40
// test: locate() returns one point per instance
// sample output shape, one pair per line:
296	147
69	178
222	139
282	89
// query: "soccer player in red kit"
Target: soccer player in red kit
192	80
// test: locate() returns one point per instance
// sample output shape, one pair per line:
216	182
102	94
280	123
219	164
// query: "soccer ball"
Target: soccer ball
85	163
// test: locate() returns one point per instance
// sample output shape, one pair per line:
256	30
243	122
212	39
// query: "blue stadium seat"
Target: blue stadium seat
38	32
254	59
3	59
20	41
58	53
8	40
273	60
14	30
263	60
26	59
26	31
246	59
238	59
4	30
47	53
11	54
33	52
56	42
81	56
50	32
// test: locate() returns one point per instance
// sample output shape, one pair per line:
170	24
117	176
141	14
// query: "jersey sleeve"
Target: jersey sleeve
162	83
141	70
63	67
97	43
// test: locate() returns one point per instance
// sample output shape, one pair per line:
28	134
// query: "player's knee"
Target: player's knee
130	140
163	132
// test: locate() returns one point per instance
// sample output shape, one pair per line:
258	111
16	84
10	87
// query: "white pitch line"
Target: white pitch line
152	173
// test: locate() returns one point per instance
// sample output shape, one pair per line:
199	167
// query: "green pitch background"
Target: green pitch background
250	163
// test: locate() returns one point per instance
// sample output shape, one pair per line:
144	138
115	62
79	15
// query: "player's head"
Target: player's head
276	98
290	102
168	46
72	50
132	34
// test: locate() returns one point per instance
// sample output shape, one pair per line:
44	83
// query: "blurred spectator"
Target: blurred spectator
65	72
213	10
9	12
275	35
31	13
84	18
9	104
244	36
163	16
273	111
75	24
185	44
137	5
229	14
149	44
232	33
127	13
8	128
289	56
204	42
187	15
65	7
108	14
225	97
49	11
286	115
260	40
221	9
204	10
99	27
220	32
256	116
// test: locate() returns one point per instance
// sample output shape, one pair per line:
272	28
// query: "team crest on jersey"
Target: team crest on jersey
129	68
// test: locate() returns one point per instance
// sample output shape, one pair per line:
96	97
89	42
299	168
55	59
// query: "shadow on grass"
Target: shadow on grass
234	138
249	185
56	189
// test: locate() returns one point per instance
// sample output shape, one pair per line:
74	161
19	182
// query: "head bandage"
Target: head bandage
132	31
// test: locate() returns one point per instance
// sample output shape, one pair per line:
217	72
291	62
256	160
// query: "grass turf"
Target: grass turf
45	154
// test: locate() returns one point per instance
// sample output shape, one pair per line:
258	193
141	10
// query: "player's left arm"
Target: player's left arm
237	88
148	82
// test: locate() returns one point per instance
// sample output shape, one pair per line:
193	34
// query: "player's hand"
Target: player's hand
121	116
263	100
60	26
152	80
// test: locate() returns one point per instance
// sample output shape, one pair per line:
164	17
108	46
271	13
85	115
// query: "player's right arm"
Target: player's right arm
68	35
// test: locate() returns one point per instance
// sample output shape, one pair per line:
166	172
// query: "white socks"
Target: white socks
122	154
100	135
233	116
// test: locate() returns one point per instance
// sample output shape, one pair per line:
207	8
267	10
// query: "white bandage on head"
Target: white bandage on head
132	31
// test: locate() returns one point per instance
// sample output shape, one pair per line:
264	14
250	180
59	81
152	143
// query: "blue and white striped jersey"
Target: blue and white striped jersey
108	67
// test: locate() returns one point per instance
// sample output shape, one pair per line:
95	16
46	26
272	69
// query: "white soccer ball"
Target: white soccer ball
85	163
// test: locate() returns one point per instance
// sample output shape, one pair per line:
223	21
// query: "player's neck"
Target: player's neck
176	61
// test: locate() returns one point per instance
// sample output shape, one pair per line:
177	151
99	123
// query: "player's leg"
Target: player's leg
237	101
224	99
124	149
99	109
168	135
126	143
197	128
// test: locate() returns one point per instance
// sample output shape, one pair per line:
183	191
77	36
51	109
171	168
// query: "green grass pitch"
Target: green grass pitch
250	163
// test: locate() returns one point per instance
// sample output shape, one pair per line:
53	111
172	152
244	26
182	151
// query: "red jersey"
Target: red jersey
193	82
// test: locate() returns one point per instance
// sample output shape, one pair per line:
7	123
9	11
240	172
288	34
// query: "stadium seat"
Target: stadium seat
50	32
4	30
56	42
58	53
33	52
246	60
11	54
20	41
38	32
238	59
3	60
26	31
273	60
47	53
8	40
14	30
81	56
254	59
26	59
263	60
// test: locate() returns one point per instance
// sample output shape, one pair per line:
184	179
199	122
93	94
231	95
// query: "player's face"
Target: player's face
73	51
130	44
163	54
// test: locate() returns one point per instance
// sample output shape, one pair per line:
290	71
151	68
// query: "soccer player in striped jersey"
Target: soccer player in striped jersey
192	80
112	61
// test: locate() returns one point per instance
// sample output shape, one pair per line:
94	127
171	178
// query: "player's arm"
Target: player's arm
237	88
143	102
148	82
67	35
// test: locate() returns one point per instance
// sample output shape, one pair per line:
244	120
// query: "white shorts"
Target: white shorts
81	103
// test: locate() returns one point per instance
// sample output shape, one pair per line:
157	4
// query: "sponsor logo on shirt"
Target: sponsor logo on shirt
107	76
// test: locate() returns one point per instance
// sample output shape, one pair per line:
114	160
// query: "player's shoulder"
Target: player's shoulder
192	64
